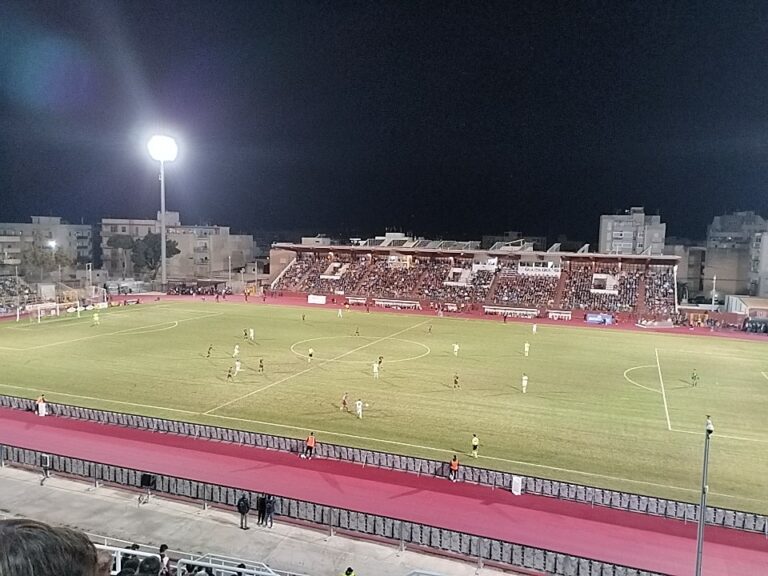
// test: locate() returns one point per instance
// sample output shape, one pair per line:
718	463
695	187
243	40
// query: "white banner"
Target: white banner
517	485
314	299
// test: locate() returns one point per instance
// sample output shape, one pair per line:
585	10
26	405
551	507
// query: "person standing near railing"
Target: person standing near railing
453	473
309	447
269	510
243	506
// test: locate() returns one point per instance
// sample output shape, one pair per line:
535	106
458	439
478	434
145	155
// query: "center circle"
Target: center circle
340	355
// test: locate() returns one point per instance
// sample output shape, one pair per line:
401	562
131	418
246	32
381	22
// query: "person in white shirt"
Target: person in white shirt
534	328
41	406
251	334
236	351
526	349
238	368
525	382
340	314
311	353
375	370
455	349
359	408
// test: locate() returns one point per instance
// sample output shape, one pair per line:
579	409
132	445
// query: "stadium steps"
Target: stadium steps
640	307
489	299
559	291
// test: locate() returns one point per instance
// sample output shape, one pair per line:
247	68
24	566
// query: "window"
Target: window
124	229
113	228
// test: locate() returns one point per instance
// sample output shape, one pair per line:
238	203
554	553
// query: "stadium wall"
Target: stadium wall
630	502
416	536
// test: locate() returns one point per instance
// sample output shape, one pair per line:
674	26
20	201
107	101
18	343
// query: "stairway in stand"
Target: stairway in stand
640	308
492	290
559	291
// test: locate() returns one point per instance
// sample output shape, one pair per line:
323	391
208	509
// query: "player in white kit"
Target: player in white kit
526	349
524	382
375	370
455	349
534	328
238	367
359	408
236	351
252	334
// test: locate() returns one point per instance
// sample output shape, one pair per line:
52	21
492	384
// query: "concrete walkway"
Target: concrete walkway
187	528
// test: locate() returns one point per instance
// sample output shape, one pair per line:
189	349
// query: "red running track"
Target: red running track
646	542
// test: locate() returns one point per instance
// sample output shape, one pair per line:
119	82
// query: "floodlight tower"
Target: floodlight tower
709	429
162	149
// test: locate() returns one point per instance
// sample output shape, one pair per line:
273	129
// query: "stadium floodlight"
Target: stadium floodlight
162	149
52	244
709	429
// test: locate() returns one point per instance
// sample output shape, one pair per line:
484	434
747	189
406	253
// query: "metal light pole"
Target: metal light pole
714	290
709	430
162	149
229	271
164	272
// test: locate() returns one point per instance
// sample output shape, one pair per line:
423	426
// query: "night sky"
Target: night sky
439	118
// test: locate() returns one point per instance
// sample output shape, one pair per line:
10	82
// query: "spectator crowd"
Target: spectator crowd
601	286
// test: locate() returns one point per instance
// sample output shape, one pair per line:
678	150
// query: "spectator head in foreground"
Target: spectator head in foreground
150	565
30	548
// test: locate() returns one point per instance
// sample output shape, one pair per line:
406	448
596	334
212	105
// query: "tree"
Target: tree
125	244
146	253
40	261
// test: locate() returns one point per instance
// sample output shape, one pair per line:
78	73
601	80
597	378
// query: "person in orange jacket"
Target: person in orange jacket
309	448
453	473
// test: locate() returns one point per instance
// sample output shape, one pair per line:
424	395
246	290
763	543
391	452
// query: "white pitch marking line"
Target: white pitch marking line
740	438
628	379
340	356
389	361
54	393
430	448
378	440
764	375
173	324
663	391
125	331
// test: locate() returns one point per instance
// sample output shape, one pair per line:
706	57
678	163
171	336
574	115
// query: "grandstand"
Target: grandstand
501	280
15	292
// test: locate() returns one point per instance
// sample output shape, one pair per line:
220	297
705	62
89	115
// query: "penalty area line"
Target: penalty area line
663	391
136	330
319	364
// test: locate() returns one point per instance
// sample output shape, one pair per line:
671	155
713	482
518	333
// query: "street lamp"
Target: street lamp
709	430
162	149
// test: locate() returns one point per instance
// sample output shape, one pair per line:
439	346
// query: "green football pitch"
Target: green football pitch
603	407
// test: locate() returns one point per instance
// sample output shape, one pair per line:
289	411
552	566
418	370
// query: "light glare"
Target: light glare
162	148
